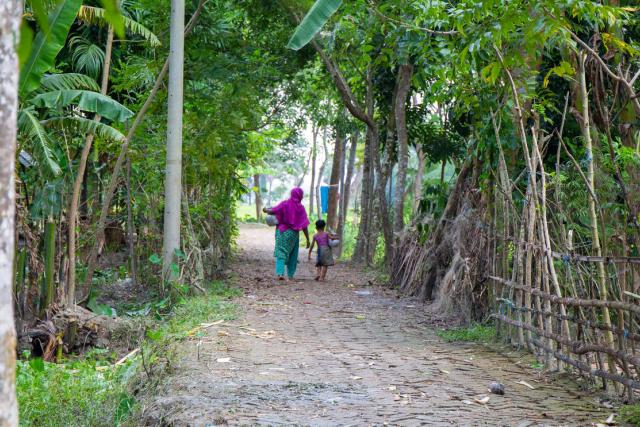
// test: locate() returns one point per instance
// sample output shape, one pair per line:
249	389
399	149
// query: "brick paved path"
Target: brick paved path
344	353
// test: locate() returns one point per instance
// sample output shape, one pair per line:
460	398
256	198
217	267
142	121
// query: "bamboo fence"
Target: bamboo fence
574	328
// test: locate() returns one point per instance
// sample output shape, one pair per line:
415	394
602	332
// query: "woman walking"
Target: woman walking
292	218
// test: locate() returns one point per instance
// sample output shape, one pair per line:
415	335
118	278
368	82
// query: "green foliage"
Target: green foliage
473	333
97	16
84	100
86	56
73	393
630	414
91	392
46	45
313	22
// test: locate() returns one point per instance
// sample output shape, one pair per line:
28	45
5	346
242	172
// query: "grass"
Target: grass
473	333
630	414
91	391
74	393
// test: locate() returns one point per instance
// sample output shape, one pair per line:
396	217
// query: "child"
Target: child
325	255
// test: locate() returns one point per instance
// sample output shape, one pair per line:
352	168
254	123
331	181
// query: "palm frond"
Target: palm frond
31	130
86	57
95	16
85	126
68	81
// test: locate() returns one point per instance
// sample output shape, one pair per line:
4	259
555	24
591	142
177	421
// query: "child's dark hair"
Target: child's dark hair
321	224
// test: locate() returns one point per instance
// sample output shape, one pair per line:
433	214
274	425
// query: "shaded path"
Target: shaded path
343	353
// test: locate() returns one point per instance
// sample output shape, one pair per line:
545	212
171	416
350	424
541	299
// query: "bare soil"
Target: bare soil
345	352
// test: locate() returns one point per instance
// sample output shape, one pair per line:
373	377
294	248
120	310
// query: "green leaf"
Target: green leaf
100	308
96	16
313	22
124	407
31	129
565	69
154	335
68	81
46	46
85	126
155	259
93	102
26	42
175	269
179	254
113	16
37	364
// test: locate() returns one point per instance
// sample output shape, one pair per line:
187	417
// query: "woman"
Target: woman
292	218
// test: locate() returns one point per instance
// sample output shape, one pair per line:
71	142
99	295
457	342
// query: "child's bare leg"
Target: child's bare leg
323	274
318	273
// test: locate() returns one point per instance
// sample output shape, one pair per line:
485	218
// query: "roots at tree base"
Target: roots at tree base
450	266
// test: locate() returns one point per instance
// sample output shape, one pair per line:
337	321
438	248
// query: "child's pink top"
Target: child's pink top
322	238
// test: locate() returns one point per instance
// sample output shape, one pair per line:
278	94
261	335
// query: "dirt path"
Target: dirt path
344	353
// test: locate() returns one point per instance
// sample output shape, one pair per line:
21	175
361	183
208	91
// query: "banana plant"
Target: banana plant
44	96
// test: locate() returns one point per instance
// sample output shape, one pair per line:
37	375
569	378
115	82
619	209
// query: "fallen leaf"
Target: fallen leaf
392	387
467	402
372	363
360	316
526	384
483	400
356	377
223	333
444	371
223	360
610	420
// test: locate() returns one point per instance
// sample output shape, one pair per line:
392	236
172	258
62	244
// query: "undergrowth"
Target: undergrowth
473	333
631	414
94	392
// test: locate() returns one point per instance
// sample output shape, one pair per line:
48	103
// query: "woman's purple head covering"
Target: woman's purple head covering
291	214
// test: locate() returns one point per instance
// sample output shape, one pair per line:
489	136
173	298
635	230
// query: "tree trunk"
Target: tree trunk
80	176
257	191
346	196
362	250
404	86
334	183
131	228
346	190
305	171
173	179
314	155
417	184
49	265
115	176
321	172
11	12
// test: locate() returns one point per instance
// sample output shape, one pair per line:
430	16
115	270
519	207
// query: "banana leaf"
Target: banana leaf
313	22
85	100
46	46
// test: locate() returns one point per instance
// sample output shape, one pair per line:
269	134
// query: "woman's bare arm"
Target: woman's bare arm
306	234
